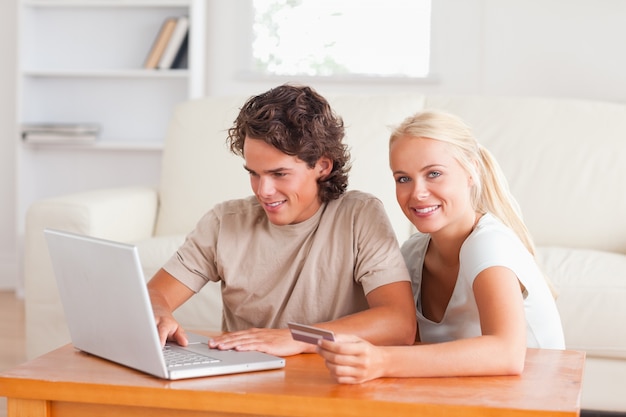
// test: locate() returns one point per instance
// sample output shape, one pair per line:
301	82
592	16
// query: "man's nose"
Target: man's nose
265	186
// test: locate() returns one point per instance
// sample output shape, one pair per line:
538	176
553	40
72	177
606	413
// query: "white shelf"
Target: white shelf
131	73
123	146
106	3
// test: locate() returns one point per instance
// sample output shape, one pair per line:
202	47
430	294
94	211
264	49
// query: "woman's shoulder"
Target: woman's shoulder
491	240
491	231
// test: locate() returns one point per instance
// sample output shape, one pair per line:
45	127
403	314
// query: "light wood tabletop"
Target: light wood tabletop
67	382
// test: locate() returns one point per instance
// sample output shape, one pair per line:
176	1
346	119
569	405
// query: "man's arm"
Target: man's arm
390	320
166	295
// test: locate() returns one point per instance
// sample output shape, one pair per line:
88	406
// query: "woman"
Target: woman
481	298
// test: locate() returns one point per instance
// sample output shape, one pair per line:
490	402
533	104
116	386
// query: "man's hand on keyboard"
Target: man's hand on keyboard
273	341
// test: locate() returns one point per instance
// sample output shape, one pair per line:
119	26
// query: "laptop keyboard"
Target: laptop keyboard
175	358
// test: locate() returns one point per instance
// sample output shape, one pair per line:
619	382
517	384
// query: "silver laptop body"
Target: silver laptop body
109	315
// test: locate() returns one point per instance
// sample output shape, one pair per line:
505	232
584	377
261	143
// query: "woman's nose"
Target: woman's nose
421	190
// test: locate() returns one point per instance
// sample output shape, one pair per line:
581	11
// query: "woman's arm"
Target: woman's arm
500	350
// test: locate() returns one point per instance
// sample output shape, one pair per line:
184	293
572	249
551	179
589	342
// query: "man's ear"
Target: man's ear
324	166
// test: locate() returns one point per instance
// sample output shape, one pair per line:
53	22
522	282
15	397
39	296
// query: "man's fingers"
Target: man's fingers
181	337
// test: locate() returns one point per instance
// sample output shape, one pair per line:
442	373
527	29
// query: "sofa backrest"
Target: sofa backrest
563	159
198	170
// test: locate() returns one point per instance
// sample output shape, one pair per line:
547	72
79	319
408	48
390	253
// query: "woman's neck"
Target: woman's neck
445	244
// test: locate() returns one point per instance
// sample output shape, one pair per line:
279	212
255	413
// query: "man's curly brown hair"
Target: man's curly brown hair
297	121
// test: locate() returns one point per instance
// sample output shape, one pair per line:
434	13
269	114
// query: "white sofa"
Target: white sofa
565	161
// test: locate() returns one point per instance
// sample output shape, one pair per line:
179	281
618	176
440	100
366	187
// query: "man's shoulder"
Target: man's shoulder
237	207
353	203
357	208
356	197
416	244
237	204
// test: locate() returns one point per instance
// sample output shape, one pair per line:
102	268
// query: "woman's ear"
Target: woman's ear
470	178
324	166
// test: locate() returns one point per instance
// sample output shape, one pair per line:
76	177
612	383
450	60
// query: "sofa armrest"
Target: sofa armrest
123	214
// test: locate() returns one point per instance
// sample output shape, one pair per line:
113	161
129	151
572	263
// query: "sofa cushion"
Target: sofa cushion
591	298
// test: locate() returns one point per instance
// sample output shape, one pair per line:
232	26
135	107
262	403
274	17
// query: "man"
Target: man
301	249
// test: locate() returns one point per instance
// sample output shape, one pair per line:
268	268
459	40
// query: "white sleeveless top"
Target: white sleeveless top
491	243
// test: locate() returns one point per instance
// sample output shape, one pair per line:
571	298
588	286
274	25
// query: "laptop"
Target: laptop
109	314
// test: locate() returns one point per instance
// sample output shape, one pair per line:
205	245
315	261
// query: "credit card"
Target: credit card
309	334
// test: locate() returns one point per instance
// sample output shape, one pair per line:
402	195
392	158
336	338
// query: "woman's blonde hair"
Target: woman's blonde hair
490	191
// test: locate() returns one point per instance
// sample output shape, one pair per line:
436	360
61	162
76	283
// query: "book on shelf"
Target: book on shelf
181	61
160	43
175	44
62	133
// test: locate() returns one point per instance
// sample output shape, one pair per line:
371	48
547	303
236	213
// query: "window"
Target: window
381	38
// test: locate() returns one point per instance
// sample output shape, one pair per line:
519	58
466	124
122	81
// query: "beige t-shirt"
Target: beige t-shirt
310	272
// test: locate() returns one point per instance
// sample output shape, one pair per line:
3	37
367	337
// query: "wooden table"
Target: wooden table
66	382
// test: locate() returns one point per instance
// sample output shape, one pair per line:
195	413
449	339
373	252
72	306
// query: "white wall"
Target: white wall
8	245
561	48
565	48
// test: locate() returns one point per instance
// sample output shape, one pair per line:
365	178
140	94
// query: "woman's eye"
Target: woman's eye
434	174
402	180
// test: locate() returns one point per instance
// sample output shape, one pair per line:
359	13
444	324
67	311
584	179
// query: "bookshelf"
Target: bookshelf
82	61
